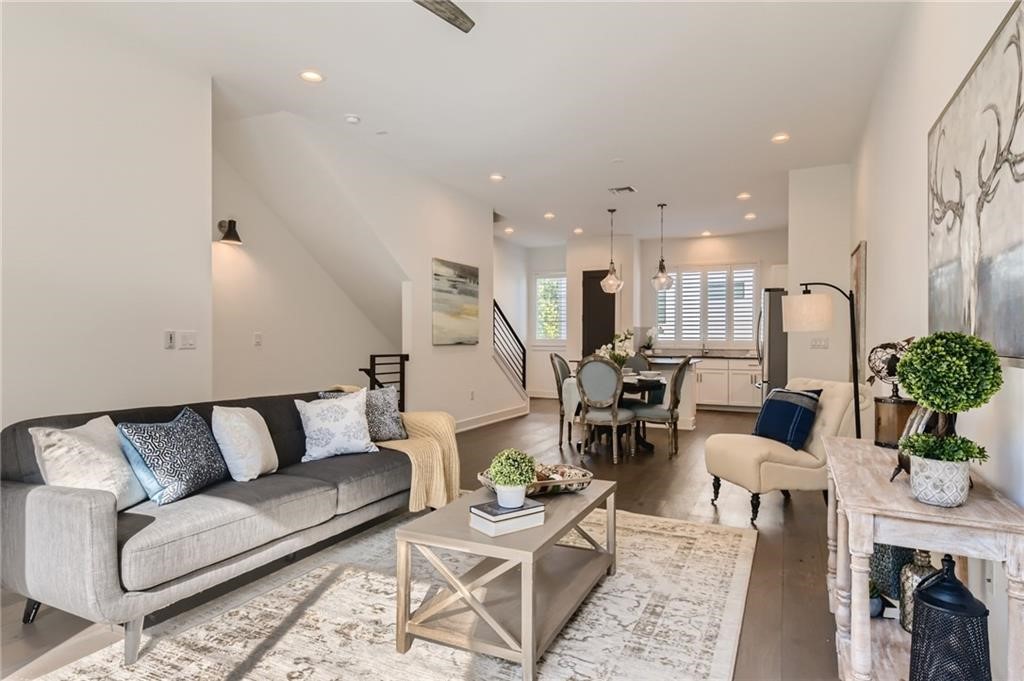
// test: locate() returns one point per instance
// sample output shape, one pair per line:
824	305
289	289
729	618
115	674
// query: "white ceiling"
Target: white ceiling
686	95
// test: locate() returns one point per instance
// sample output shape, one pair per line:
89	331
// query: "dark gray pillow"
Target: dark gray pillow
382	415
173	460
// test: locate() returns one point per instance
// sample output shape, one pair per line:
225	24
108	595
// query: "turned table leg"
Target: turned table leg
842	574
1015	610
830	578
861	541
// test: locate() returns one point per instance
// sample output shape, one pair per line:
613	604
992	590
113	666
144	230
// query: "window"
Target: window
713	305
549	308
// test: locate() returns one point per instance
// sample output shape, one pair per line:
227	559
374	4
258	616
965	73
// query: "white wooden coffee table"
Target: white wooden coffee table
509	615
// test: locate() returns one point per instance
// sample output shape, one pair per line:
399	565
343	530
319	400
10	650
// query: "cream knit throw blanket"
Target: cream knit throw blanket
433	452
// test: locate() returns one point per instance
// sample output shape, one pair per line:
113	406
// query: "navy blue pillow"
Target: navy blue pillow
788	416
173	460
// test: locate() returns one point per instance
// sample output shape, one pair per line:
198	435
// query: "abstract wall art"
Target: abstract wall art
455	297
976	199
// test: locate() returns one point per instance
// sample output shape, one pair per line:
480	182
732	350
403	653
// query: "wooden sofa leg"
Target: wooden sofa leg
755	506
824	495
132	640
786	495
31	610
716	487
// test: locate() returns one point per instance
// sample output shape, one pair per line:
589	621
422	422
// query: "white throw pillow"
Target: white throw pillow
335	426
87	457
244	441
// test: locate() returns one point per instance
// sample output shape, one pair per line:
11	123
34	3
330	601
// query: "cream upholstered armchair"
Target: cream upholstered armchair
763	465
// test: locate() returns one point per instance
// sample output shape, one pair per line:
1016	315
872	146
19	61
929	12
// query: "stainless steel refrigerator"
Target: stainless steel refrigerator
771	341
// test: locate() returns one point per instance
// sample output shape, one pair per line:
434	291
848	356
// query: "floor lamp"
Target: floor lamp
813	312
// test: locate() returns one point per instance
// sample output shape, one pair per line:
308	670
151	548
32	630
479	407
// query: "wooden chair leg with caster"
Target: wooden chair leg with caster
755	506
716	487
31	610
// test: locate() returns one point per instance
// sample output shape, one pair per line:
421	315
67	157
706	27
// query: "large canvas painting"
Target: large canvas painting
859	284
976	199
456	303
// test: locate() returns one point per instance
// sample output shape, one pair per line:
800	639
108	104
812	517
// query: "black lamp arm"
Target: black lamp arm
807	284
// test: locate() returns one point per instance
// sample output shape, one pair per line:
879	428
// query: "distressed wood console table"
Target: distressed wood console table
864	508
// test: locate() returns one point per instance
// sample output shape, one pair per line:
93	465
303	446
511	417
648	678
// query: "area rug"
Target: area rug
673	610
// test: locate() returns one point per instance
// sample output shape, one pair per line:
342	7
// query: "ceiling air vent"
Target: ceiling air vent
628	189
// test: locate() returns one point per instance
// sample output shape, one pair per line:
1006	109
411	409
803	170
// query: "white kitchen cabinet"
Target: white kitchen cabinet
712	386
743	390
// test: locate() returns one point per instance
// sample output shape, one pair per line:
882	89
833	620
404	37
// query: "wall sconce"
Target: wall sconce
229	232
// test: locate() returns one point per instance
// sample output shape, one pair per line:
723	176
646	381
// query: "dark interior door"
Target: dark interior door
598	313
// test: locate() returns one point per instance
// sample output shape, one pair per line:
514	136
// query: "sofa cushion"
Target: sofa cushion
160	543
360	479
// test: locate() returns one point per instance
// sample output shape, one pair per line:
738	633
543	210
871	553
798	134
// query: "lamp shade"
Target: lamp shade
807	312
612	283
229	232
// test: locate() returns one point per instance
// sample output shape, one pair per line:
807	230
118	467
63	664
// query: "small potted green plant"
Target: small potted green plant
940	474
511	471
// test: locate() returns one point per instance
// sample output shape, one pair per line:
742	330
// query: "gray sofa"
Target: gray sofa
69	549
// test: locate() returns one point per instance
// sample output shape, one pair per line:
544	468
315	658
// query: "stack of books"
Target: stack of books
494	520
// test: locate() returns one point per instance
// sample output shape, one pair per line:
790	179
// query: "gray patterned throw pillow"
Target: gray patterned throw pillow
382	415
173	460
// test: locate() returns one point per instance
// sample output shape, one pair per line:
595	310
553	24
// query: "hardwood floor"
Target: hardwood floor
787	629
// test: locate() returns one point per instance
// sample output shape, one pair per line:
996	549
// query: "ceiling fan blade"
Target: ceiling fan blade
450	12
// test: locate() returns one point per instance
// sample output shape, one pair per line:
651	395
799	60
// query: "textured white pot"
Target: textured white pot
940	483
510	497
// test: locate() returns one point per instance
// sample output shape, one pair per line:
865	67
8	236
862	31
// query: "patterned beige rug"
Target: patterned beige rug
673	610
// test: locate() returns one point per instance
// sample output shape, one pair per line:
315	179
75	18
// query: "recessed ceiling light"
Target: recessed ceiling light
618	160
311	76
497	177
743	196
509	230
578	230
705	233
352	119
750	216
780	138
381	132
549	216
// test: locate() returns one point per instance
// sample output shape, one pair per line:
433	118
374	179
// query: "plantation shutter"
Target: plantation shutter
690	298
550	319
742	304
717	317
666	312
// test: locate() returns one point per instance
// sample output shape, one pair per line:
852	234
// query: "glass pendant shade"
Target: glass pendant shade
662	280
611	282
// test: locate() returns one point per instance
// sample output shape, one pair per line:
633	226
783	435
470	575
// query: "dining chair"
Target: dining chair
562	372
600	384
668	415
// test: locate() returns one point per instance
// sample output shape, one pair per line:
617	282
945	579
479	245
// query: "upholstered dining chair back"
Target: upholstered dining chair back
562	372
637	363
835	412
675	384
599	381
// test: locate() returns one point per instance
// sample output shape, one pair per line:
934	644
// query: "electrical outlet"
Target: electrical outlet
169	340
819	343
257	339
187	340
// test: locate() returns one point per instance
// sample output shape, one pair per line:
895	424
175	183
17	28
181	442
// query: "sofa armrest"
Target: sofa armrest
59	547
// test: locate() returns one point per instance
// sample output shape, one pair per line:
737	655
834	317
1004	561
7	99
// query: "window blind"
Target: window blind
712	304
743	304
549	311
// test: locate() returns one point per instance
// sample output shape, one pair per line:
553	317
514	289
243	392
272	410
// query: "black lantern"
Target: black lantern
950	639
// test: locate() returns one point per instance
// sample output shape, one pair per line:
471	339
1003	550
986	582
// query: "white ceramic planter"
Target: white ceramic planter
510	497
940	483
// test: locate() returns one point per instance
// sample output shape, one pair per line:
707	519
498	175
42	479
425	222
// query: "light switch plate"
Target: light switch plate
257	339
169	340
187	340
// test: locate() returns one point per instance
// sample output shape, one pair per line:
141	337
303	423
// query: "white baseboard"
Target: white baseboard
543	394
493	417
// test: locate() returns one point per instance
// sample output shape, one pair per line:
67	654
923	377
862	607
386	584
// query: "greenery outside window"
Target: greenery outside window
549	313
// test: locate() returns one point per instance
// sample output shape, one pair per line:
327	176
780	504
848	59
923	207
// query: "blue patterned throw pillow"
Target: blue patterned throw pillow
173	460
788	416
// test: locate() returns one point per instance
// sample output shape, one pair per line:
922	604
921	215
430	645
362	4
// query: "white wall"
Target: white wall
107	214
412	218
313	334
539	375
510	283
764	248
820	220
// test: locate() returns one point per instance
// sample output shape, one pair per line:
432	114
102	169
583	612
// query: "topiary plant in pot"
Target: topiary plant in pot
946	373
511	471
940	474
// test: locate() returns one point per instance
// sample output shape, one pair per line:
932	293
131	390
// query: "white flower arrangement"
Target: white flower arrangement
620	349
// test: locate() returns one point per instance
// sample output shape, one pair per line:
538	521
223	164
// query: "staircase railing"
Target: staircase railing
508	346
385	370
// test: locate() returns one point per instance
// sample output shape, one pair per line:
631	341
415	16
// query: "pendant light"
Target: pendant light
662	280
611	282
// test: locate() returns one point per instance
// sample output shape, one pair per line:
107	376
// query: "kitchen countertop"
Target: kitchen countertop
674	359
